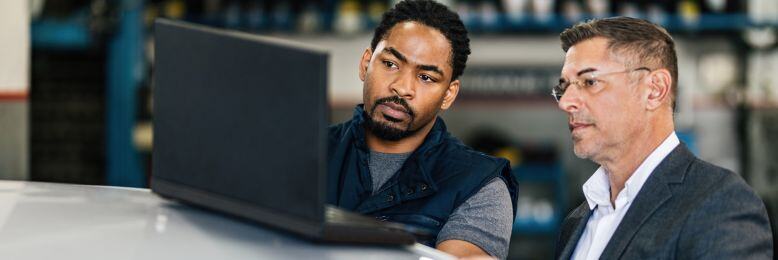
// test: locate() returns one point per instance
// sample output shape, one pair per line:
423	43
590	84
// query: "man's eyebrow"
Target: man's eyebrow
432	68
586	70
402	58
396	53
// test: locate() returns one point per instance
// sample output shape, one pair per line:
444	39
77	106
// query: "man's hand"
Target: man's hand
461	248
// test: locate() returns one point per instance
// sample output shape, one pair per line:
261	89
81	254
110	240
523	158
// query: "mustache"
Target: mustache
397	100
579	119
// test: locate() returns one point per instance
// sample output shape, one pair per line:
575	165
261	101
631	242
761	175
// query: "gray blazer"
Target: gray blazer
687	209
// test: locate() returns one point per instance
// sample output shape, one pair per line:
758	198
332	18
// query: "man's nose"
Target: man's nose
403	86
571	99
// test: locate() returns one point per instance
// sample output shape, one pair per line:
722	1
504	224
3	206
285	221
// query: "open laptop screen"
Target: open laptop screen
240	116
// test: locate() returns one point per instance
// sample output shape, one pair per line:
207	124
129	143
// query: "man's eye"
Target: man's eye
590	82
427	78
560	88
390	64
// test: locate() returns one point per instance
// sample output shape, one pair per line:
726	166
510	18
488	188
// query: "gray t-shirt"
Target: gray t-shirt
485	219
383	166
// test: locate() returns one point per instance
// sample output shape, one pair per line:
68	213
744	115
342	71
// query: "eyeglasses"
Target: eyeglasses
586	81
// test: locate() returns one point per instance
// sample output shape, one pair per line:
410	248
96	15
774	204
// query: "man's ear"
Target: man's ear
364	62
451	95
659	88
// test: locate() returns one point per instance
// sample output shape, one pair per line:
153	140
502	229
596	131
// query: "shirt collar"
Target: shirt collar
597	188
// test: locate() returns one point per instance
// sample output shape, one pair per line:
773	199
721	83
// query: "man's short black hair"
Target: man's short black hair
435	15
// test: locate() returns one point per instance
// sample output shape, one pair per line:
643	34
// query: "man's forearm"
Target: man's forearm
461	248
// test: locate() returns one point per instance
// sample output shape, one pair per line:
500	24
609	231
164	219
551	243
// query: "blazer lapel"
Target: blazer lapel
573	230
654	193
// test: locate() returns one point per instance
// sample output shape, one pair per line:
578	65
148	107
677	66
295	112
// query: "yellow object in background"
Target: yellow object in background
512	154
349	17
175	9
690	11
375	10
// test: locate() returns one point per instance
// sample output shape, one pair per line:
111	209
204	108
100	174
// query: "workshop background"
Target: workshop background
76	78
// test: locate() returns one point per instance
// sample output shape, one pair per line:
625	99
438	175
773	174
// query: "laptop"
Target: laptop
240	127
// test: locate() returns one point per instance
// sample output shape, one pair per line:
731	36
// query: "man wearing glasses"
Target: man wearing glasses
651	197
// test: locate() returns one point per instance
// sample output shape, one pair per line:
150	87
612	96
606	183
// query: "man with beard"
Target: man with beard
395	160
651	198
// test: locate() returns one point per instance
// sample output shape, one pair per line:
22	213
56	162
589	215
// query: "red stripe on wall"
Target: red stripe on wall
13	96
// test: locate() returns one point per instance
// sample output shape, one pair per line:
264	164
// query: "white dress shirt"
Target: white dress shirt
606	217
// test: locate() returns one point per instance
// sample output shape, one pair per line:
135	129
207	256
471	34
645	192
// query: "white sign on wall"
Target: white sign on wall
14	47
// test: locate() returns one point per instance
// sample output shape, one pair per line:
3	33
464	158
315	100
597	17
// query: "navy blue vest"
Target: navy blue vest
437	177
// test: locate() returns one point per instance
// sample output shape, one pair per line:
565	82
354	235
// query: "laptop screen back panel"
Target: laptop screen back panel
241	118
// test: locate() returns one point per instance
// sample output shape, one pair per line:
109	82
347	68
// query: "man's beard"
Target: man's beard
385	130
